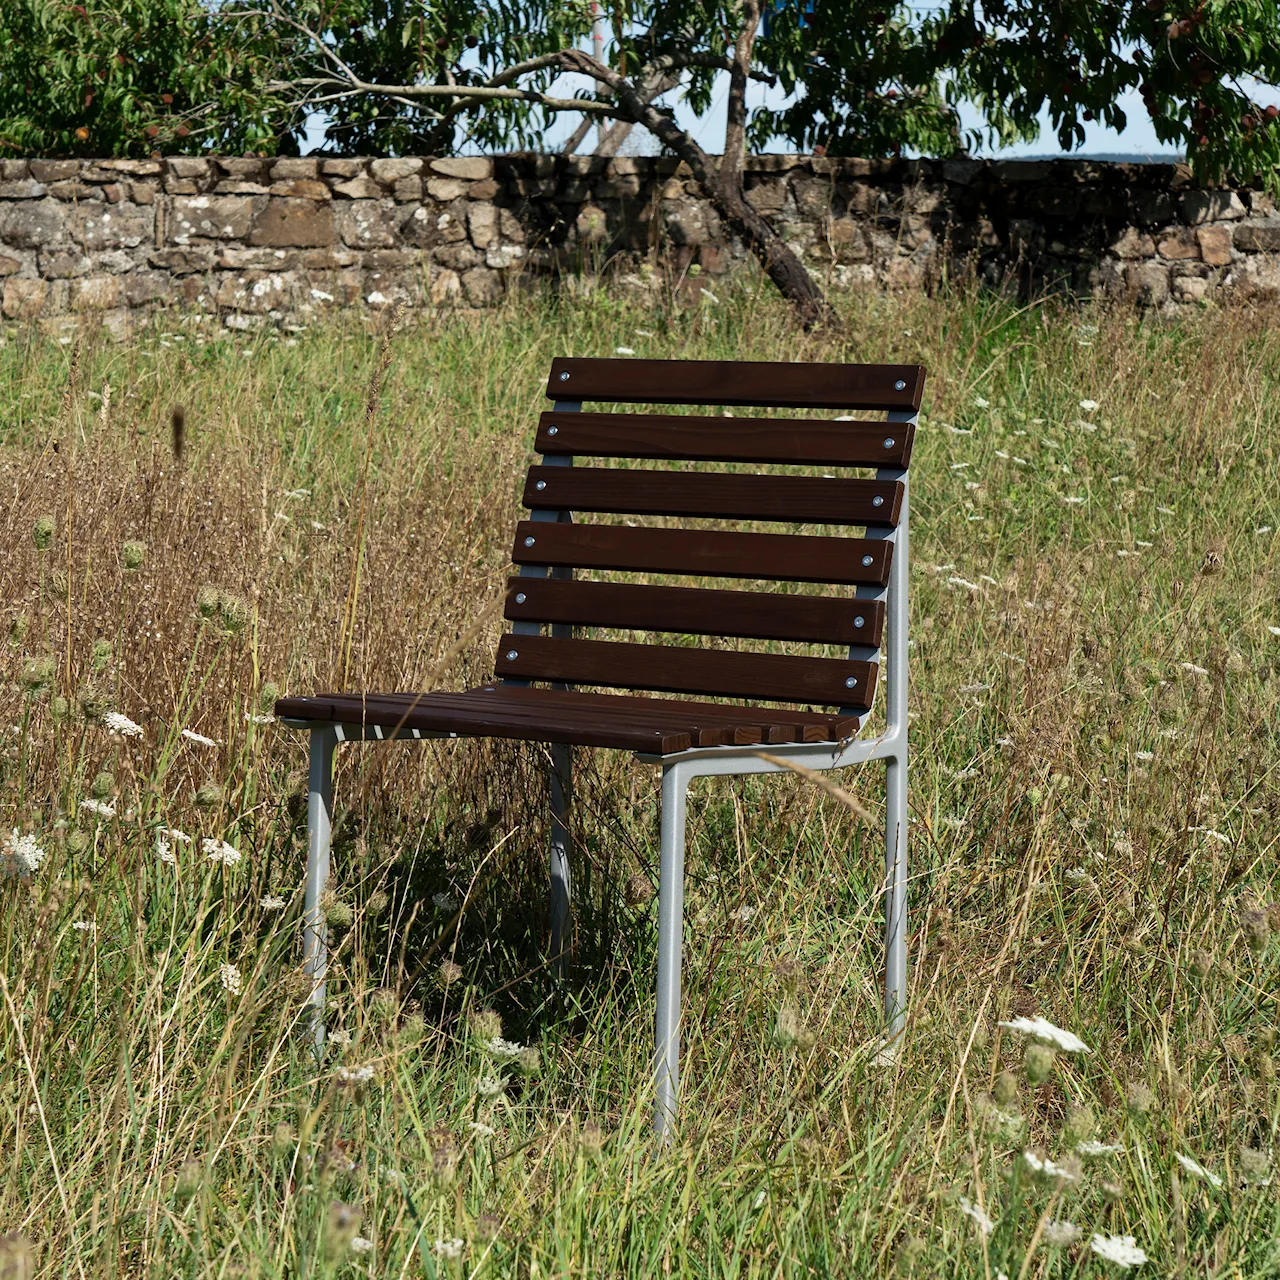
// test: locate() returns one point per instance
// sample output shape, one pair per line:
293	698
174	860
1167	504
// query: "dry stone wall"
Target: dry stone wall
251	241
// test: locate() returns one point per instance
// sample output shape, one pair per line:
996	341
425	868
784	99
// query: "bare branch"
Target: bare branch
466	92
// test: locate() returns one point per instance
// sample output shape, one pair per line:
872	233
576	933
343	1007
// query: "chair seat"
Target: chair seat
658	726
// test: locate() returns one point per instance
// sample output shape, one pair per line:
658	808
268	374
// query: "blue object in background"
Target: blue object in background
777	7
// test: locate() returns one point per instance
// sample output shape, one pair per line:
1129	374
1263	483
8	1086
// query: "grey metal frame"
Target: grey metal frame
678	771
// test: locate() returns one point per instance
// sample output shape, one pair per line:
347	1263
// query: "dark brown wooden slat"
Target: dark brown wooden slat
803	499
562	708
805	726
764	383
436	713
777	557
697	439
670	669
755	615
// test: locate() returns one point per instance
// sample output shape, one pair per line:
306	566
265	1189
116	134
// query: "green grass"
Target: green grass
1093	792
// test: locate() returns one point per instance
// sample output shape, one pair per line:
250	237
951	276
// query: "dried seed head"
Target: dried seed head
1139	1099
1265	1039
1255	1165
1006	1088
77	841
178	430
337	914
17	1257
188	1181
208	795
638	891
1236	1046
208	598
910	1253
789	1030
412	1030
788	972
1254	926
1202	962
591	1141
103	785
1079	1125
234	612
1266	1066
42	532
448	973
1112	1190
378	903
282	1140
384	1004
95	702
529	1063
1037	1061
268	696
341	1225
38	673
485	1024
298	985
981	1037
444	1157
132	553
487	1227
101	654
59	707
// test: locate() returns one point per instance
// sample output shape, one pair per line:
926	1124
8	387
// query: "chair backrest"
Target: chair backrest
551	544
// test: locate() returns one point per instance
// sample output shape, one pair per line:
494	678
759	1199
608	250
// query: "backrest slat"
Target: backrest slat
698	439
802	499
755	615
762	384
708	553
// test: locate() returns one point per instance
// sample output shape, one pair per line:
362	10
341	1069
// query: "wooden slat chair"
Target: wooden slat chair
688	738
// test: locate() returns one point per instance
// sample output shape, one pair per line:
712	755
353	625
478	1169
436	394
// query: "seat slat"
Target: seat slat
671	669
698	439
803	499
766	384
755	615
778	557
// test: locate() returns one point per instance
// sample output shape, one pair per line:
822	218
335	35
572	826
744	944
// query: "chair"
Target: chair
688	736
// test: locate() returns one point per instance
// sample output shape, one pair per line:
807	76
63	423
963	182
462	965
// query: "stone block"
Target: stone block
255	292
64	264
591	225
961	173
143	192
181	262
1149	207
1189	288
847	241
342	168
97	293
390	171
302	189
334	259
446	289
1178	244
814	196
1211	206
407	189
686	223
1021	172
144	287
54	170
187	167
9	266
12	170
625	186
471	168
181	186
1215	245
241	166
1133	244
769	196
446	189
361	225
22	189
501	257
1257	237
124	226
24	298
210	218
75	191
1149	282
458	257
288	222
482	286
239	187
485	190
359	188
390	260
915	230
115	192
263	259
288	168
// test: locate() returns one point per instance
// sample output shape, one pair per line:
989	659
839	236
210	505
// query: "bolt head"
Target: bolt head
564	377
553	431
512	655
528	542
521	598
858	622
540	485
851	682
866	562
900	385
877	501
889	442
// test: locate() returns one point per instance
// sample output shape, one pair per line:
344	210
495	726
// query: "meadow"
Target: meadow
1096	663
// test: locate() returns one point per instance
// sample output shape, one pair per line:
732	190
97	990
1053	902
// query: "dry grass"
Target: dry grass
1094	691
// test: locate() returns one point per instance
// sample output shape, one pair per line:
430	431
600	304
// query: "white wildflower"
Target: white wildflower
254	718
963	582
121	725
974	688
978	1214
981	403
339	1039
173	833
297	493
1099	1148
272	903
624	351
1145	756
164	851
1122	1250
1073	501
743	914
1042	1029
1088	405
481	1130
220	851
444	902
85	926
1060	1233
99	808
355	1075
192	736
1194	670
360	1245
1275	631
710	297
1046	1167
448	1250
1195	1167
231	978
22	854
503	1050
489	1085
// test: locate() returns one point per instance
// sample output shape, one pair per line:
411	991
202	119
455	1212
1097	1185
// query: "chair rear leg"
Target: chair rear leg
561	888
895	899
670	938
315	949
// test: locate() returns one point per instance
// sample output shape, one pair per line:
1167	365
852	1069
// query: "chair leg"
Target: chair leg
561	887
670	937
315	949
895	914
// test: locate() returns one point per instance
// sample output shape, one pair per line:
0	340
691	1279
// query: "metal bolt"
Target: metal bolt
542	484
553	431
564	377
897	386
512	655
878	500
858	622
866	562
851	682
888	441
521	597
528	542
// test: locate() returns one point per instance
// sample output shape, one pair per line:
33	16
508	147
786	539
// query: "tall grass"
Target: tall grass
1093	790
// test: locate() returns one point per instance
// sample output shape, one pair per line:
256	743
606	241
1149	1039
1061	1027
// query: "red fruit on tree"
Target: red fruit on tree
1204	141
82	134
1272	112
879	17
1088	115
1185	26
1249	121
1175	30
153	131
167	99
472	41
182	131
442	44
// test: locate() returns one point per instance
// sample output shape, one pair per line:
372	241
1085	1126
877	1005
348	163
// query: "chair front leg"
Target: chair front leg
670	938
315	951
561	886
895	897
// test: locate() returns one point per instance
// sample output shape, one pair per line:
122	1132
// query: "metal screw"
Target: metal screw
542	484
528	542
888	441
564	377
851	682
878	500
897	386
521	597
859	621
553	431
512	655
866	562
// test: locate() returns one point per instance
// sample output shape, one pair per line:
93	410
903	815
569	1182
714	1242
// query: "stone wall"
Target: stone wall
252	241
